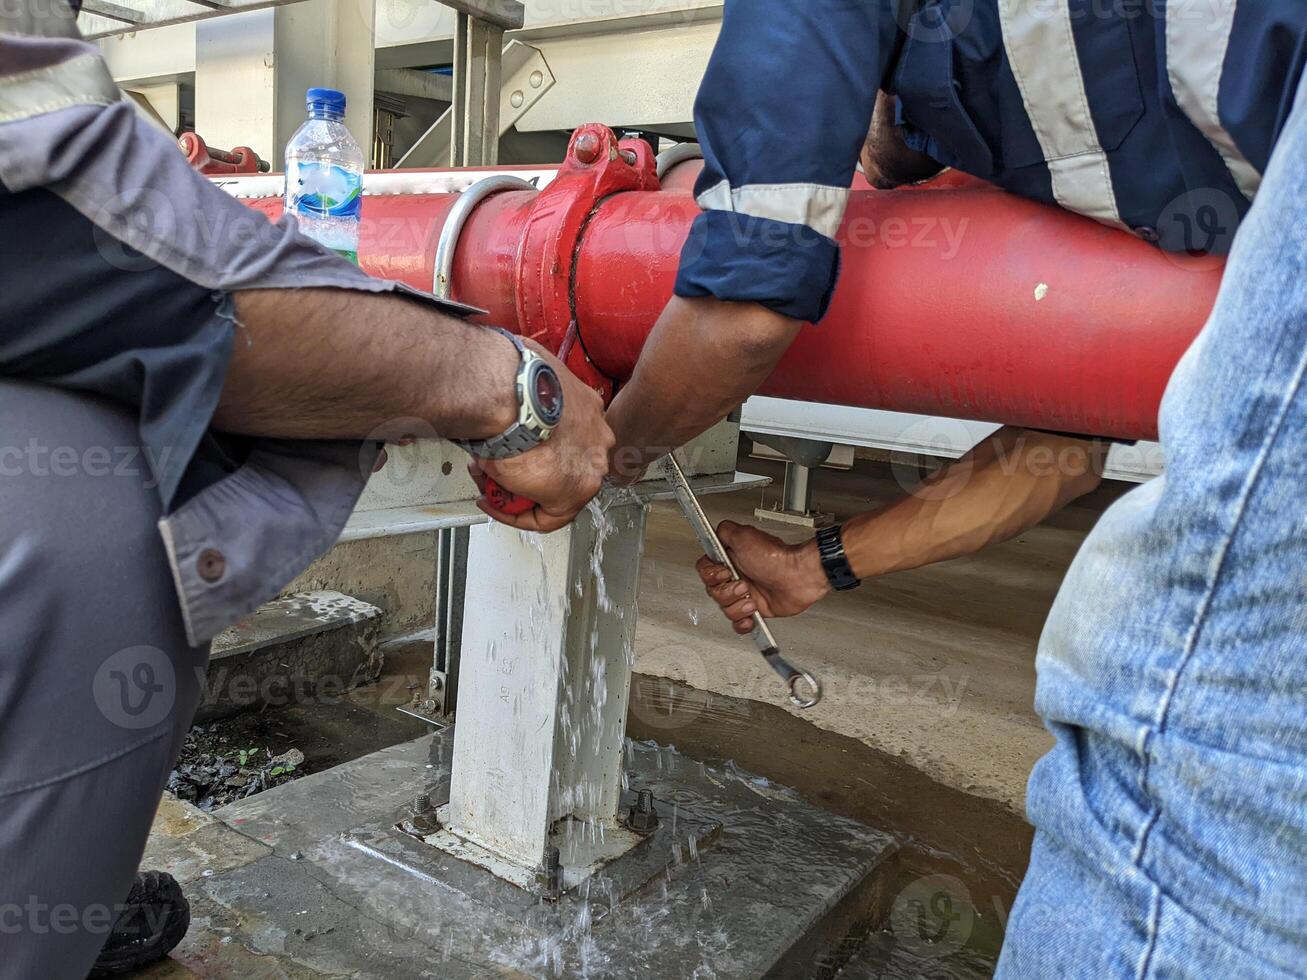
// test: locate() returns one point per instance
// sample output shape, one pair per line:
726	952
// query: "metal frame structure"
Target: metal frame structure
108	18
467	136
915	435
462	137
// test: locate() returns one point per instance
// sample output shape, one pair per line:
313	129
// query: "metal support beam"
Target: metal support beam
546	654
478	53
114	11
546	677
451	591
507	15
544	681
103	18
151	115
797	495
802	457
525	78
415	84
165	102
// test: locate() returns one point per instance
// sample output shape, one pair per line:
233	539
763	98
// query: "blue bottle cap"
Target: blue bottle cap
326	98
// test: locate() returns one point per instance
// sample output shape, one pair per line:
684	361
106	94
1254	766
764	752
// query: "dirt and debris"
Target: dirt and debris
224	762
231	758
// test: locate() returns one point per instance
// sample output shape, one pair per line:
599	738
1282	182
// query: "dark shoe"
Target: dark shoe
154	920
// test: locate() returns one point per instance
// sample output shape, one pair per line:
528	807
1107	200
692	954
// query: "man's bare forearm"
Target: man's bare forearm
702	359
1007	484
334	363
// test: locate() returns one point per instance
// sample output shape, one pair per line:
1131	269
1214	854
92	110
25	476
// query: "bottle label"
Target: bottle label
323	190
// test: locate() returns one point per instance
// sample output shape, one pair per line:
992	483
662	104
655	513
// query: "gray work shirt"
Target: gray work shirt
235	534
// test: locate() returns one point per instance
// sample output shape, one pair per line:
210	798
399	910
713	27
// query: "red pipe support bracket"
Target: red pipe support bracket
208	160
596	167
954	298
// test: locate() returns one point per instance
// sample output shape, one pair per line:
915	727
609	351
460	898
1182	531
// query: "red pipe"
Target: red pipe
965	303
953	300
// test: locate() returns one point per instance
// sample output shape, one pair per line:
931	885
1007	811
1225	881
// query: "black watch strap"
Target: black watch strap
830	545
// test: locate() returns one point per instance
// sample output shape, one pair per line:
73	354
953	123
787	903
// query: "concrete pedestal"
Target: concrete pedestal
741	879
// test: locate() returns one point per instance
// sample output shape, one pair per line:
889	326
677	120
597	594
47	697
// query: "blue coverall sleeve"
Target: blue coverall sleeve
781	115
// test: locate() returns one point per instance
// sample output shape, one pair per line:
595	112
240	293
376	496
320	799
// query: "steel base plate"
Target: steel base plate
812	519
338	890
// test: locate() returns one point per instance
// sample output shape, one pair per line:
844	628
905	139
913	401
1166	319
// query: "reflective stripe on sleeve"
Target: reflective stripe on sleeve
815	206
1042	52
39	18
1197	38
83	80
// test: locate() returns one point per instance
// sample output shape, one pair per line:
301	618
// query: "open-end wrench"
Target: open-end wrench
712	546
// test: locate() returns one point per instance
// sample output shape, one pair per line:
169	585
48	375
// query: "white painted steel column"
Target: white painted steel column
252	70
548	634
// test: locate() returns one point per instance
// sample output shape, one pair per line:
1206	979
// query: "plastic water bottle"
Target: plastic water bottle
324	175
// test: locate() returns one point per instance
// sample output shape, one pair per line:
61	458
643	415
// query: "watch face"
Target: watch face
548	392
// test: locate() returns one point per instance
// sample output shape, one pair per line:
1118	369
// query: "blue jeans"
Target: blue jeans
1171	814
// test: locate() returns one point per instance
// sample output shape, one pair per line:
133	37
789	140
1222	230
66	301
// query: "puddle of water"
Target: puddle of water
883	957
962	856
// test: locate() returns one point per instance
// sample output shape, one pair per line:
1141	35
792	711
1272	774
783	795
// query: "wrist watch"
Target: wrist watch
539	407
830	546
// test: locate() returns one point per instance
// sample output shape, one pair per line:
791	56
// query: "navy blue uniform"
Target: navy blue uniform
1155	116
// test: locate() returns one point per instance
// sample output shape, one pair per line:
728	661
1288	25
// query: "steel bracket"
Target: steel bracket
525	78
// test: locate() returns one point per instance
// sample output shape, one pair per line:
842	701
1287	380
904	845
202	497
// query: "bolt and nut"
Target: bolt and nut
642	817
549	876
422	815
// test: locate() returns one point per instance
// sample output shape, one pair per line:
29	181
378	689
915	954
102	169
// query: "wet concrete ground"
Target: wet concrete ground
927	731
741	879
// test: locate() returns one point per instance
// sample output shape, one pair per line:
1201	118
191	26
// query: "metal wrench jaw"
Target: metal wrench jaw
712	546
795	680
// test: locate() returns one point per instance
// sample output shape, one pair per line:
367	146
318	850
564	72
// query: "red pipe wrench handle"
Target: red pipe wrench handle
506	502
